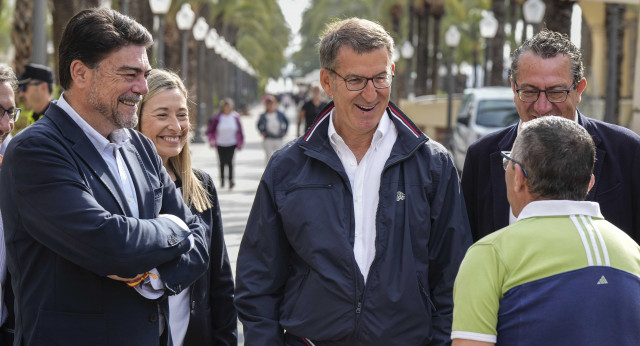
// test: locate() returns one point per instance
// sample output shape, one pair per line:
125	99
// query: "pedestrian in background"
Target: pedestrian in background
310	109
273	125
206	307
358	228
35	87
226	135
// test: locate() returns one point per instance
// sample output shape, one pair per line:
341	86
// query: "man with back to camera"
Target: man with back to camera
97	235
8	117
561	274
358	227
35	87
547	78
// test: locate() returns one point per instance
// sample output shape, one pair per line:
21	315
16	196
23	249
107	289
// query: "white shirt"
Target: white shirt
365	185
226	130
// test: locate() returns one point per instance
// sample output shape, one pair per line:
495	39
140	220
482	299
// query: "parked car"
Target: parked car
482	111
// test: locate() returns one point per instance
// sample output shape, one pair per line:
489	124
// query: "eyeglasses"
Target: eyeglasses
23	87
554	96
13	113
357	83
505	162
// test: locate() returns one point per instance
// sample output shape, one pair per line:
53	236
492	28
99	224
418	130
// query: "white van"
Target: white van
482	111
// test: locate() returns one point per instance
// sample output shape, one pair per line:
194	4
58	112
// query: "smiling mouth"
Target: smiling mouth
129	103
172	139
366	109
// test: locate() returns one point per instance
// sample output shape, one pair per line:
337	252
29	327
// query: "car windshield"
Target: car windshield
496	113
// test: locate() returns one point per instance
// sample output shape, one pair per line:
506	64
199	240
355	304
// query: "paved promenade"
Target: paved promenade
249	166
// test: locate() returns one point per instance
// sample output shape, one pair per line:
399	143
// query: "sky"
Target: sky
292	10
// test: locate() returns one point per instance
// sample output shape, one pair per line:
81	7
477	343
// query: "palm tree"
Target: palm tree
437	11
557	15
21	34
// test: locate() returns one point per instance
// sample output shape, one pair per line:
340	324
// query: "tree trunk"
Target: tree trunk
437	11
422	57
21	34
497	44
557	15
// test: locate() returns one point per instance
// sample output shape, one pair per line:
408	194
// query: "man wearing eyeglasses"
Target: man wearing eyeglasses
35	87
547	78
358	227
7	119
562	274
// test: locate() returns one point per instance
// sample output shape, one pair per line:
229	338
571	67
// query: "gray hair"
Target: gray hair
548	44
361	35
8	76
558	155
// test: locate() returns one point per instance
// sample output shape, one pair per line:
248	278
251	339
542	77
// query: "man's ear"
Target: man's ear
80	73
325	81
520	181
591	182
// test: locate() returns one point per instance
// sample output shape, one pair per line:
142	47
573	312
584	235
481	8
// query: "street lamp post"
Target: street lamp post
184	19
488	30
199	33
159	9
451	38
533	12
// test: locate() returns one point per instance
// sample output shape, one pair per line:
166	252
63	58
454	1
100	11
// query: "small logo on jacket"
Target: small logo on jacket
400	196
602	281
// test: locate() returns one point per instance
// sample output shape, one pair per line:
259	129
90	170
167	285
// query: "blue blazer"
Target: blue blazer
617	182
67	226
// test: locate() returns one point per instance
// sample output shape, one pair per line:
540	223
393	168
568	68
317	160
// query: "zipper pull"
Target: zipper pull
359	307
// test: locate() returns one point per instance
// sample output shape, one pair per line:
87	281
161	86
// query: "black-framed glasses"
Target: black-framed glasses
357	83
553	95
505	162
23	87
13	113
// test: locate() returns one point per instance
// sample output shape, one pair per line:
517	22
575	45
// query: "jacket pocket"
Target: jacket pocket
428	304
294	290
306	186
65	329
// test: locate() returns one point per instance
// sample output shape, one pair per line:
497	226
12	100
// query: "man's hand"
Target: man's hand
117	278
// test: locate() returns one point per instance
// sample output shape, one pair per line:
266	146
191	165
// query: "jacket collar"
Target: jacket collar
87	152
409	136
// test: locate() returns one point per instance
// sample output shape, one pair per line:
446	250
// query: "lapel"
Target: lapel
600	153
87	152
140	180
499	191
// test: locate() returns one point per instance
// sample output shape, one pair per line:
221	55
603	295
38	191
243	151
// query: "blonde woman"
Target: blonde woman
203	314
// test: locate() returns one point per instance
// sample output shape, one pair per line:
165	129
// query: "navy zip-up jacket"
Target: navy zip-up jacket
296	269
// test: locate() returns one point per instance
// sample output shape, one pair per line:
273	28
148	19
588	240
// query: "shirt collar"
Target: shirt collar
382	129
117	137
560	208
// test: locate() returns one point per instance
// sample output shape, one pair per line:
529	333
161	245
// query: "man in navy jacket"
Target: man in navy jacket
358	227
87	204
547	78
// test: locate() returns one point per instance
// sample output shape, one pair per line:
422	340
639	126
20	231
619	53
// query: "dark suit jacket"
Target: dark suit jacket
213	319
67	226
617	178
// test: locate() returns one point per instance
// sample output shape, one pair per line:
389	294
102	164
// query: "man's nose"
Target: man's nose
542	105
